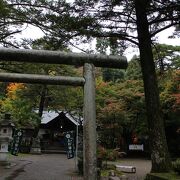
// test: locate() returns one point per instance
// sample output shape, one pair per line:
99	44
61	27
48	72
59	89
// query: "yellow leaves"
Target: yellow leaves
6	104
52	73
12	89
15	86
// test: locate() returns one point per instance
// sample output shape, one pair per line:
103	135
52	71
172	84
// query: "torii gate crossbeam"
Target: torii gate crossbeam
59	57
42	79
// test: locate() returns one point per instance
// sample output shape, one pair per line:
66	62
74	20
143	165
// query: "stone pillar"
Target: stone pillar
36	147
4	141
89	125
6	127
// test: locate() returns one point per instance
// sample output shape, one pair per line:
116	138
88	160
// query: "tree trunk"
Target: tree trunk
159	150
41	108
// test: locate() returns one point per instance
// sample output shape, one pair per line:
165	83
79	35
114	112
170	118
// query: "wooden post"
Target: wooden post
89	125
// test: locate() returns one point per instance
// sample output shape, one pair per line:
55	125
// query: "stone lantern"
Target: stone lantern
6	131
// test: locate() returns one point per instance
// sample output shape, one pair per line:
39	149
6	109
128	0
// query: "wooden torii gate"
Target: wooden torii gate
88	81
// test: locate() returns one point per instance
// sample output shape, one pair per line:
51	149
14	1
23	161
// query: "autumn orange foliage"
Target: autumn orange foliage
12	88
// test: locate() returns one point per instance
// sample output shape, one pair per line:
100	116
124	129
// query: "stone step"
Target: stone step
128	169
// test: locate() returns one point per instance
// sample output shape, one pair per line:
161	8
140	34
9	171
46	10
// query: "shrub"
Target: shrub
176	166
112	155
105	154
101	153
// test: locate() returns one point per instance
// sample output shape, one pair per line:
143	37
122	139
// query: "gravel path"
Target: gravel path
58	167
143	166
41	167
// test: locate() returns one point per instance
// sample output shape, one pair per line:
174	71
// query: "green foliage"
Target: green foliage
170	91
66	98
176	166
133	71
108	168
21	110
107	154
101	152
119	106
170	102
112	155
113	75
109	113
162	176
123	105
102	46
167	57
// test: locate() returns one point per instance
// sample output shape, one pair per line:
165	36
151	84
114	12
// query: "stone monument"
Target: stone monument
36	147
6	131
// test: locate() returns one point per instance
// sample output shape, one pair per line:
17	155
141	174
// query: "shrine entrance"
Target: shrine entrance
52	130
88	61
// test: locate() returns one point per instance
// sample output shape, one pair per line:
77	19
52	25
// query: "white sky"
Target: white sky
163	37
34	33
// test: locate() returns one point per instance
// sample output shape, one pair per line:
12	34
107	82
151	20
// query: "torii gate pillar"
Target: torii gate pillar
89	125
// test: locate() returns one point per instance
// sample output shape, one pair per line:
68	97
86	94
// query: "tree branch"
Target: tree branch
162	29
